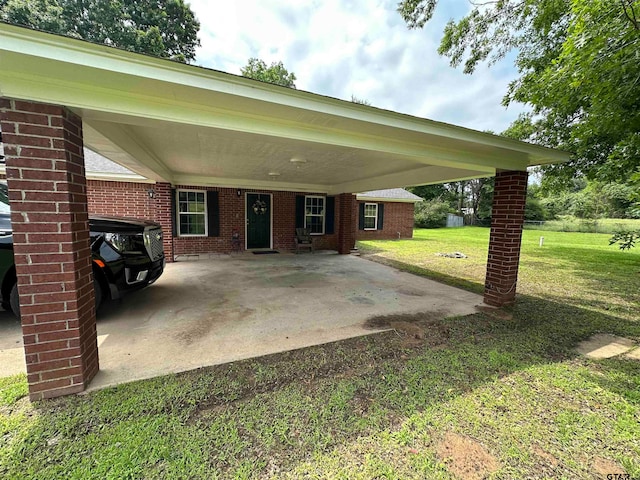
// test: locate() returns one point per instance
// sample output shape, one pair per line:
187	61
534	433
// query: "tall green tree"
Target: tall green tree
440	191
579	71
163	28
274	73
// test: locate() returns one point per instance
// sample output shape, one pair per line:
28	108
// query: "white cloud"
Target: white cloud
341	48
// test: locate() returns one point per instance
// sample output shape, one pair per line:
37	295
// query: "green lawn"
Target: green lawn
574	268
511	395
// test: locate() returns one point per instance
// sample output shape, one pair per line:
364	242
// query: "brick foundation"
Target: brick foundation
47	191
507	219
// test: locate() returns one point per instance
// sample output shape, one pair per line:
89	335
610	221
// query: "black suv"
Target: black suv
126	255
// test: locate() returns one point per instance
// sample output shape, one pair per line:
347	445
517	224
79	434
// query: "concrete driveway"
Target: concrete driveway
207	312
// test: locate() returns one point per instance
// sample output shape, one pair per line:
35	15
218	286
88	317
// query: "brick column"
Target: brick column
47	191
346	222
507	219
164	216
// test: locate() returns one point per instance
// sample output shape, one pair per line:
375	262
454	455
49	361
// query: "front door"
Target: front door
258	220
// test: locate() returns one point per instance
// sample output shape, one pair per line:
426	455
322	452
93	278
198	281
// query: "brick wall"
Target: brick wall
507	219
131	199
346	215
398	217
163	215
47	191
232	217
121	199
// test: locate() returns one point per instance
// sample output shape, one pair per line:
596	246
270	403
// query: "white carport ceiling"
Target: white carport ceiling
188	125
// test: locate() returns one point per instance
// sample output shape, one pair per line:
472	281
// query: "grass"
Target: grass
575	268
380	406
573	224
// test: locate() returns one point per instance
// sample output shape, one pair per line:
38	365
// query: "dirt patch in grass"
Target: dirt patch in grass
604	466
499	313
466	458
545	457
415	329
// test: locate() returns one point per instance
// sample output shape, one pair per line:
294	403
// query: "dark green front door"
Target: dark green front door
258	220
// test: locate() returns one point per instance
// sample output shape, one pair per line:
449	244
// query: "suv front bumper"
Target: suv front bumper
137	276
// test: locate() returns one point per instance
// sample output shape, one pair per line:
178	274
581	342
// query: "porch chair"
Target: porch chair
304	239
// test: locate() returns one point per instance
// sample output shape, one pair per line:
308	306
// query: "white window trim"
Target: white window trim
324	212
206	214
369	216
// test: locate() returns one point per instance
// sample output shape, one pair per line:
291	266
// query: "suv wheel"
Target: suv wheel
14	298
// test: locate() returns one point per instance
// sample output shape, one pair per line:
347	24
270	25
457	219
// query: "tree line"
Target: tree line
581	199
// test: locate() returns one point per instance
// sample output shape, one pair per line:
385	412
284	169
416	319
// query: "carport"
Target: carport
233	307
180	124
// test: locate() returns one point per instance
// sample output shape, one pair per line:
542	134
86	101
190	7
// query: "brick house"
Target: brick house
209	142
116	190
386	214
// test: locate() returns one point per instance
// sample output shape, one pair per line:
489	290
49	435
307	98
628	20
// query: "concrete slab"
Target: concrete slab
604	345
208	312
12	360
634	354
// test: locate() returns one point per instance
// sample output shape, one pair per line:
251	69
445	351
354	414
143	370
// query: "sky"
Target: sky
363	48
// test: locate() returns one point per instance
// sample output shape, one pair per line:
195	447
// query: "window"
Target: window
314	214
192	213
370	216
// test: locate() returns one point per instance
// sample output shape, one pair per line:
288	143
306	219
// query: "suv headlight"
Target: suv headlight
125	243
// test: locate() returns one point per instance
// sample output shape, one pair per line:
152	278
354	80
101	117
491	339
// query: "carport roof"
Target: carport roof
391	194
189	125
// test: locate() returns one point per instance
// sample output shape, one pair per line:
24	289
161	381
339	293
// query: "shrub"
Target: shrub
534	210
431	214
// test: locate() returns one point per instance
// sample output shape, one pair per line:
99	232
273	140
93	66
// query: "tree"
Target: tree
275	73
626	238
162	28
578	70
361	101
467	195
431	192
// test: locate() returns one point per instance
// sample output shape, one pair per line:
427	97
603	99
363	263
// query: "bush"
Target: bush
431	214
534	211
557	205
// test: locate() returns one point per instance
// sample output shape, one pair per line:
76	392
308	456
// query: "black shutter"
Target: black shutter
361	216
299	211
330	216
174	220
213	214
380	216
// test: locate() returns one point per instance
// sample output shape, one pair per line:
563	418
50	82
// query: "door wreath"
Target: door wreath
259	207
